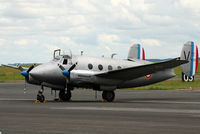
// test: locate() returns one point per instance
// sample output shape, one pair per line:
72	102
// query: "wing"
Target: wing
16	67
138	71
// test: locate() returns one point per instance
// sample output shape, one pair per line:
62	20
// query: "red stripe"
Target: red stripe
197	59
143	54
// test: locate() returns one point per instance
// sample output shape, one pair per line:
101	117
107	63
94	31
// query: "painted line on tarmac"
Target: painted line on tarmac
154	110
11	99
167	102
12	83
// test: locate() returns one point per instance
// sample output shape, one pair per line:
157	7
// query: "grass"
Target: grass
172	84
9	74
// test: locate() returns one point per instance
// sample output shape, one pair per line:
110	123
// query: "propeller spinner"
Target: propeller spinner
25	73
66	72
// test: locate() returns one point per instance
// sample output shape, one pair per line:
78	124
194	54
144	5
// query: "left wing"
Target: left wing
138	71
16	67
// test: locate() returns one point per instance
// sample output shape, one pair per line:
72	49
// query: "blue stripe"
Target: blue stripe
138	51
192	59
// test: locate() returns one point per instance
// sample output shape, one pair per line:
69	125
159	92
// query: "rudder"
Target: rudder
190	53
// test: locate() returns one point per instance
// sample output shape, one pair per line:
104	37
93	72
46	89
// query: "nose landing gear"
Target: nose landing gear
40	96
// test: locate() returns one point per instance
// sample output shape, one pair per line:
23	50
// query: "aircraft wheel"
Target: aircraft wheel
65	96
108	95
40	98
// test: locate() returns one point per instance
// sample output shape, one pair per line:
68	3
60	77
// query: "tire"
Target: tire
41	98
65	96
108	95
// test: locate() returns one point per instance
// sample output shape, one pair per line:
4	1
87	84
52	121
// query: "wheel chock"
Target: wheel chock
37	101
104	100
114	100
60	100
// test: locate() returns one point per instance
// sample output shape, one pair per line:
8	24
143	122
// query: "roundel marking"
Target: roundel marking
148	76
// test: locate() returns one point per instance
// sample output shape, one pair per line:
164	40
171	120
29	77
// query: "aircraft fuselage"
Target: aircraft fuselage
83	75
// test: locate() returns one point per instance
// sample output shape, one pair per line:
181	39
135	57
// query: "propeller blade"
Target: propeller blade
25	73
20	68
25	87
72	67
66	72
30	68
61	67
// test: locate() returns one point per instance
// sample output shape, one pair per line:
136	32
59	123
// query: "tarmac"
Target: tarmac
134	112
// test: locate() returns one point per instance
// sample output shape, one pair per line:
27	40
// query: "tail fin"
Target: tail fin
136	52
190	53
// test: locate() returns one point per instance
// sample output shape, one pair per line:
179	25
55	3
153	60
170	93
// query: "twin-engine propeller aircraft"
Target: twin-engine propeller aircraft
67	71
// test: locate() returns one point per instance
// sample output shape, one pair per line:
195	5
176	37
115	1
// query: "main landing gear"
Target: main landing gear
40	96
65	95
108	96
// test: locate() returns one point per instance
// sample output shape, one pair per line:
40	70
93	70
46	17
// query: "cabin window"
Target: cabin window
65	61
119	67
110	68
90	66
100	67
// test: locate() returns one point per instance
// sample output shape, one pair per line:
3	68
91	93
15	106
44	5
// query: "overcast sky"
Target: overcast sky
31	29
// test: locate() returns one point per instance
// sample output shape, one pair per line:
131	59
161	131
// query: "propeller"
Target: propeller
25	73
66	72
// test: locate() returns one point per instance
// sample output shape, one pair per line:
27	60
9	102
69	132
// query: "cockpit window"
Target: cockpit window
65	61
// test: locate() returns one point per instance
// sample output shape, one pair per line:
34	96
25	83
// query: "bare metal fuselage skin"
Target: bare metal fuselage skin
49	74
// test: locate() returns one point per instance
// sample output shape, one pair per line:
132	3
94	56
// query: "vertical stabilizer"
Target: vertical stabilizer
190	53
136	52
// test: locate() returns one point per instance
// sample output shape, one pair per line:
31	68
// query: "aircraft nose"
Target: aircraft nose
37	72
49	73
44	73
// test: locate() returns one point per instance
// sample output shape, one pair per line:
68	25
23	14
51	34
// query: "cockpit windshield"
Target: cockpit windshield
65	61
63	56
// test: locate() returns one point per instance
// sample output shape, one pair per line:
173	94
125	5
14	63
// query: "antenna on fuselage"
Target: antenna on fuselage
113	55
